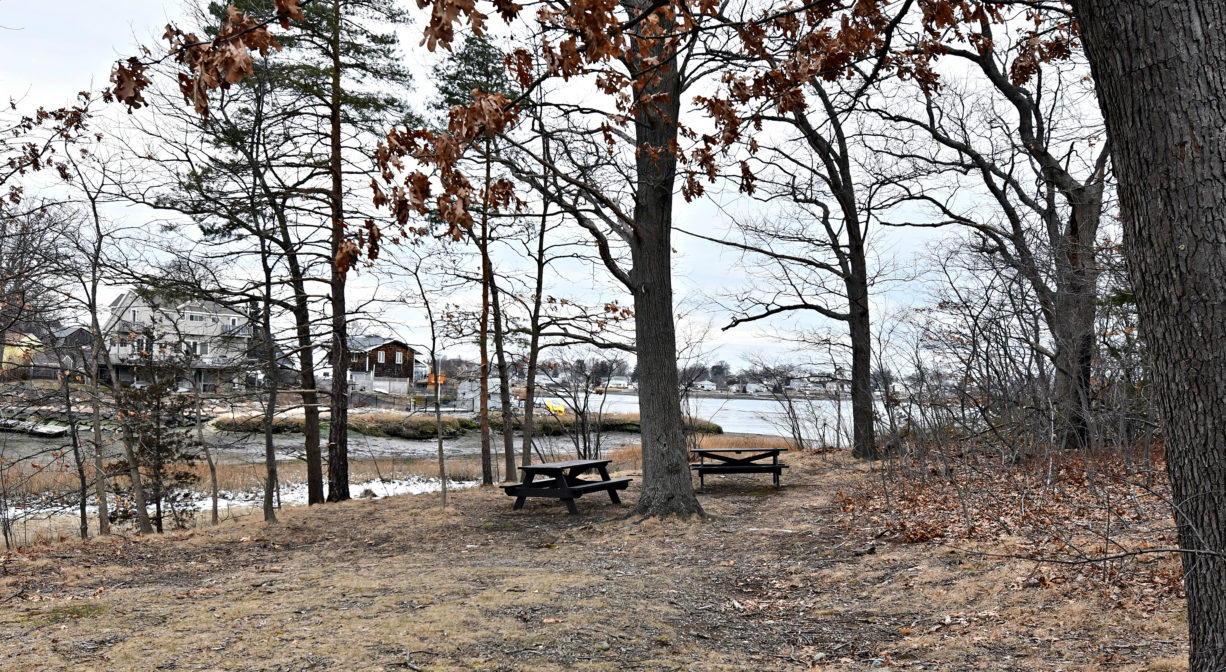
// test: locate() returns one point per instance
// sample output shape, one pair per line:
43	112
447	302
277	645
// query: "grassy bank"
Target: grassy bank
560	425
405	426
398	425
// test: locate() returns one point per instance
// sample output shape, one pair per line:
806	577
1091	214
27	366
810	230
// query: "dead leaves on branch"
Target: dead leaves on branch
29	144
442	151
214	64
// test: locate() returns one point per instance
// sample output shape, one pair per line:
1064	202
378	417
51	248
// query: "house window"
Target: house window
382	356
233	321
197	348
355	357
133	314
400	358
193	317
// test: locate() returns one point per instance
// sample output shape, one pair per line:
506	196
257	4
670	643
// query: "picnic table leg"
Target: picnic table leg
604	476
778	471
519	501
570	505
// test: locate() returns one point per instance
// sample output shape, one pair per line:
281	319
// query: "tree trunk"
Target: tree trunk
338	431
208	454
438	422
483	395
504	385
138	487
1074	310
273	381
306	359
1073	333
534	343
1160	71
864	443
667	485
78	461
104	520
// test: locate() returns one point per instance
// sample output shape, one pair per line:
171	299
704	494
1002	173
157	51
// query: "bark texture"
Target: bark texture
1160	69
667	486
338	431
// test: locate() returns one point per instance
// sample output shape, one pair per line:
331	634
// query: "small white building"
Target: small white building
705	386
755	388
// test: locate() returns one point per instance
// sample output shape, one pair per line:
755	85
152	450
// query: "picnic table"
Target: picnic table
737	461
561	480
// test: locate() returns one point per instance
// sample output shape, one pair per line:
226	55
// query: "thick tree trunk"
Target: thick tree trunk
667	485
306	358
483	394
1073	333
864	441
1160	70
310	410
338	431
1072	315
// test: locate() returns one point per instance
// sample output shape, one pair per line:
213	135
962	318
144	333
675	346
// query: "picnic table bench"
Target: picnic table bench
731	461
561	480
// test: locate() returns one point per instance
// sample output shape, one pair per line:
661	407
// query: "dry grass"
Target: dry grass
239	477
730	441
789	579
393	424
630	456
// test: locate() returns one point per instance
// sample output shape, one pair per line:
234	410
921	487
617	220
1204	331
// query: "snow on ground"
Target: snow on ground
292	494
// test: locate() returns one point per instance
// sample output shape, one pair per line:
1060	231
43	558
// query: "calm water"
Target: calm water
738	415
747	415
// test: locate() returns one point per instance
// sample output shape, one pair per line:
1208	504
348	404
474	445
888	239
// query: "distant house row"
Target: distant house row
215	345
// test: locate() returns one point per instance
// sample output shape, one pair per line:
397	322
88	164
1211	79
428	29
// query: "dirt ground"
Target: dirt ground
787	579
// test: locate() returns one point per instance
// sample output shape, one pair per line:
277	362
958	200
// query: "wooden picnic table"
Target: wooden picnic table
737	461
561	480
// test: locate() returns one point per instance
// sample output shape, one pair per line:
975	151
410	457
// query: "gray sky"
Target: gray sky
50	50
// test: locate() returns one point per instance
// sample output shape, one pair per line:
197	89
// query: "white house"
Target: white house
212	340
705	386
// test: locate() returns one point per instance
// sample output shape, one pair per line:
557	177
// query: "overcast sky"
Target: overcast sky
49	50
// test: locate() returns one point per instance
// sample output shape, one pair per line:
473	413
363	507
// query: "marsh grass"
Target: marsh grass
238	477
422	426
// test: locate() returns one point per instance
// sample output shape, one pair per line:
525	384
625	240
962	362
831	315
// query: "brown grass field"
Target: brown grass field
814	576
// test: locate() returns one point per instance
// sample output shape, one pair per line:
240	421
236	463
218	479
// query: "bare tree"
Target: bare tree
1021	133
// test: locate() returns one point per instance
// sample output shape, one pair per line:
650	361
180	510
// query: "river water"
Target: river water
736	415
746	415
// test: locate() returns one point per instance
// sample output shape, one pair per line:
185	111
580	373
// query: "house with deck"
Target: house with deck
210	342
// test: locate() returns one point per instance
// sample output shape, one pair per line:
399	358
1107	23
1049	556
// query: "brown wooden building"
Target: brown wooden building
383	356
